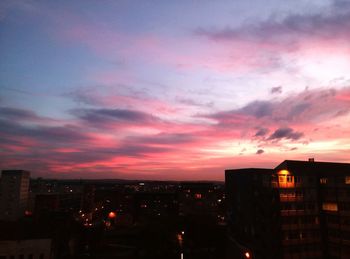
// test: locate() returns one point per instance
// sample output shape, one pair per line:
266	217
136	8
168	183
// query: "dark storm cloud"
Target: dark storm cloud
287	133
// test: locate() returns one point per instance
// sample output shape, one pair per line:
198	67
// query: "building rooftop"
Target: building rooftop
296	166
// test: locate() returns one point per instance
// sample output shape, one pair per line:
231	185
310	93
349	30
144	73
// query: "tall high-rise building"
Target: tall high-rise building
300	209
14	192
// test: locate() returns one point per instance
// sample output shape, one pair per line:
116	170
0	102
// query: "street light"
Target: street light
112	215
247	255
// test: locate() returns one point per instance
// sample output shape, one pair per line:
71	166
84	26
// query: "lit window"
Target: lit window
323	180
198	196
347	179
301	235
289	178
281	179
328	206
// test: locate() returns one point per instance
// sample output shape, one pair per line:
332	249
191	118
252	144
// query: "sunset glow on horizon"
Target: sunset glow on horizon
176	90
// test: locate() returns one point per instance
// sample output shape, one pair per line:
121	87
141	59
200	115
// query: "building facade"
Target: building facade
300	209
14	193
28	248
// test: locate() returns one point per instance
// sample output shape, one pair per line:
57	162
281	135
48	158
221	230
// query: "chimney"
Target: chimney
311	159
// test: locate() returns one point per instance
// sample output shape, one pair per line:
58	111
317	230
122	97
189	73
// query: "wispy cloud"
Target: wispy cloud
332	23
286	133
118	139
276	90
104	117
309	105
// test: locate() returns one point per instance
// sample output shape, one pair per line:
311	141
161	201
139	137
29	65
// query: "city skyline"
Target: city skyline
172	90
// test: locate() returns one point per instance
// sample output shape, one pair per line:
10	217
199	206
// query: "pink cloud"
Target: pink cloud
116	140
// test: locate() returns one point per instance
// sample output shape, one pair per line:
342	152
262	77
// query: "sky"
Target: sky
172	90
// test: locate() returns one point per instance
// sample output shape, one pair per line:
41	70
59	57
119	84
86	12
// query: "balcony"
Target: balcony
310	240
291	198
286	226
334	240
294	212
290	226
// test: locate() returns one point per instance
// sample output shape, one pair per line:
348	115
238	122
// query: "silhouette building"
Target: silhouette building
14	192
88	198
300	209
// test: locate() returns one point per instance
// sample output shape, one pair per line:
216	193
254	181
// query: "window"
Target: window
198	196
317	221
297	179
281	179
323	180
289	178
329	206
347	179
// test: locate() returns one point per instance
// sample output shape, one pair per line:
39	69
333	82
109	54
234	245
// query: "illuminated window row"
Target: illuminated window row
296	234
324	180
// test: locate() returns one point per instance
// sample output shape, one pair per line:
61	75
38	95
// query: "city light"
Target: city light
28	213
284	172
247	255
112	215
198	196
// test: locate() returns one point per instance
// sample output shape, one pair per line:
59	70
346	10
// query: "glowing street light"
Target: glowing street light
112	215
247	255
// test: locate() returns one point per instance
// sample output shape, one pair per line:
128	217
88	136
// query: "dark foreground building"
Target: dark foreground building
297	210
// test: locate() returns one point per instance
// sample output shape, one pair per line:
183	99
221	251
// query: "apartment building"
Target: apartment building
14	193
300	209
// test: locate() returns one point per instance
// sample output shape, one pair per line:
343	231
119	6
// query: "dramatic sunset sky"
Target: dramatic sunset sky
172	89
